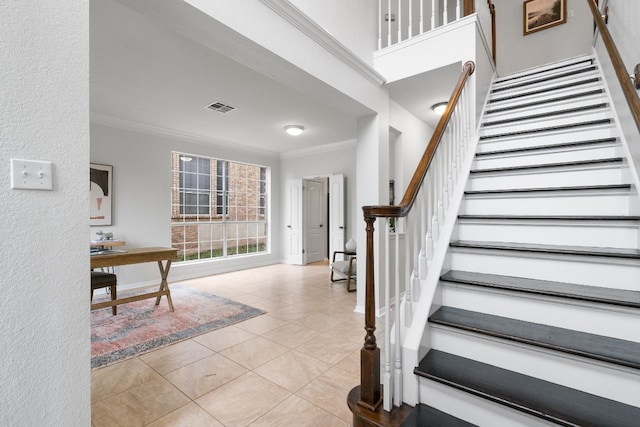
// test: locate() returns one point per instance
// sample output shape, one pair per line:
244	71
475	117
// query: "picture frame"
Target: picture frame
101	194
539	15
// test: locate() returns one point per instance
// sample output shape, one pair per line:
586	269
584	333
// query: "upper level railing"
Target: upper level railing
420	214
401	20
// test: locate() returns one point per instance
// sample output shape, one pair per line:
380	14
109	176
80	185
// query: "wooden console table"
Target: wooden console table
162	256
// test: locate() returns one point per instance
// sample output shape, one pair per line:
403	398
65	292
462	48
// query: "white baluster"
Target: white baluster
433	14
410	32
458	10
387	397
421	16
397	380
399	21
389	23
380	21
445	13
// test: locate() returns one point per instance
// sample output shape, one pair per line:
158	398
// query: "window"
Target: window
219	208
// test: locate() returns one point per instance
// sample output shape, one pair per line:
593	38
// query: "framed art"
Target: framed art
101	193
542	14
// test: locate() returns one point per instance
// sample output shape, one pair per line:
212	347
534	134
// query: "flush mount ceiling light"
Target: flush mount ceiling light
294	130
439	108
186	158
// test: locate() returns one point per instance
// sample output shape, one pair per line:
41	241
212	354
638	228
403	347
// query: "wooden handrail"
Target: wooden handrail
492	10
402	209
370	387
628	89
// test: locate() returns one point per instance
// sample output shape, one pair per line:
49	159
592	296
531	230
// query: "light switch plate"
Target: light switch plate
31	175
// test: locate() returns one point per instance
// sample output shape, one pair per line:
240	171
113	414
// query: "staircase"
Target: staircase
537	316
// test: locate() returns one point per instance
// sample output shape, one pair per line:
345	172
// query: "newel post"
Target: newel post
370	388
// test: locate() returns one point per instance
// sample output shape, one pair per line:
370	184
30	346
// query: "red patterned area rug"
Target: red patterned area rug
141	326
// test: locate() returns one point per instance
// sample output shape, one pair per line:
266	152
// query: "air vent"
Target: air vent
220	107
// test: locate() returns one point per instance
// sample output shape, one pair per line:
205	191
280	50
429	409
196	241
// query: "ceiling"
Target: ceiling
144	73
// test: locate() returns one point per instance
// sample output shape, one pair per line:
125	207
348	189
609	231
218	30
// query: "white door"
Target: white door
336	213
294	222
314	213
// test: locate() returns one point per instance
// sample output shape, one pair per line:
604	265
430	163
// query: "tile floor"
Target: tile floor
292	366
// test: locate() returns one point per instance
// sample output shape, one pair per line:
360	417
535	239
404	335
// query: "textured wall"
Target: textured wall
44	265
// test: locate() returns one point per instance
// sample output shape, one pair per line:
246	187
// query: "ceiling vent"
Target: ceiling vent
220	107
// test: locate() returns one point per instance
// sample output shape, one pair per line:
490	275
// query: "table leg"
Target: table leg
164	285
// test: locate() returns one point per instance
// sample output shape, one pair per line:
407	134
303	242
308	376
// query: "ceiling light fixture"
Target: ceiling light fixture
439	108
294	130
186	158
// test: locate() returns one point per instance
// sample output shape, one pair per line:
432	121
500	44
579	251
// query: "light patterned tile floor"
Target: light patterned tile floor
292	366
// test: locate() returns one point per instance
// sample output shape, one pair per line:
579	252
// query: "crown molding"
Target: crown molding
315	32
326	148
117	122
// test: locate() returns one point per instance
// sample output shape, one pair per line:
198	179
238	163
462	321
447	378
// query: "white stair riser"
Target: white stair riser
551	232
474	409
541	157
594	271
600	379
545	123
517	88
583	90
548	138
594	318
547	177
558	108
541	73
549	203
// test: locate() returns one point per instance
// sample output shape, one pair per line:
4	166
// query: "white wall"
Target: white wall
44	264
624	28
414	137
333	159
517	52
353	23
142	196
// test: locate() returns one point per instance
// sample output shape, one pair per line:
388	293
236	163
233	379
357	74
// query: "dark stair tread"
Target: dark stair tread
550	249
423	415
551	189
544	90
548	147
545	79
549	165
552	217
597	347
543	102
543	399
542	70
544	115
621	297
548	129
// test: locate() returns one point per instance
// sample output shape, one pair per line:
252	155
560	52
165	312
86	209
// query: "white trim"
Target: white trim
315	32
106	120
326	148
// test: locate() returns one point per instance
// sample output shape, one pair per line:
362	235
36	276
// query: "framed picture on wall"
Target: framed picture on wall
101	193
542	14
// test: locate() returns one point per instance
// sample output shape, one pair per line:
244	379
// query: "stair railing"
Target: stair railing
419	215
623	94
630	93
400	20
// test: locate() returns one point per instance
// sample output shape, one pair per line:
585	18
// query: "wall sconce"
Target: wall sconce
439	108
294	130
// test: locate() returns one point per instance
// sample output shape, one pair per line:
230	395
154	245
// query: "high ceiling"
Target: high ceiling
144	73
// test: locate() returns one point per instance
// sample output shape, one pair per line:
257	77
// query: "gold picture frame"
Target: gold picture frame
542	14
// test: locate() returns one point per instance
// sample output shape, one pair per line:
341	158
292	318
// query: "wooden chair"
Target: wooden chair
346	269
100	279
